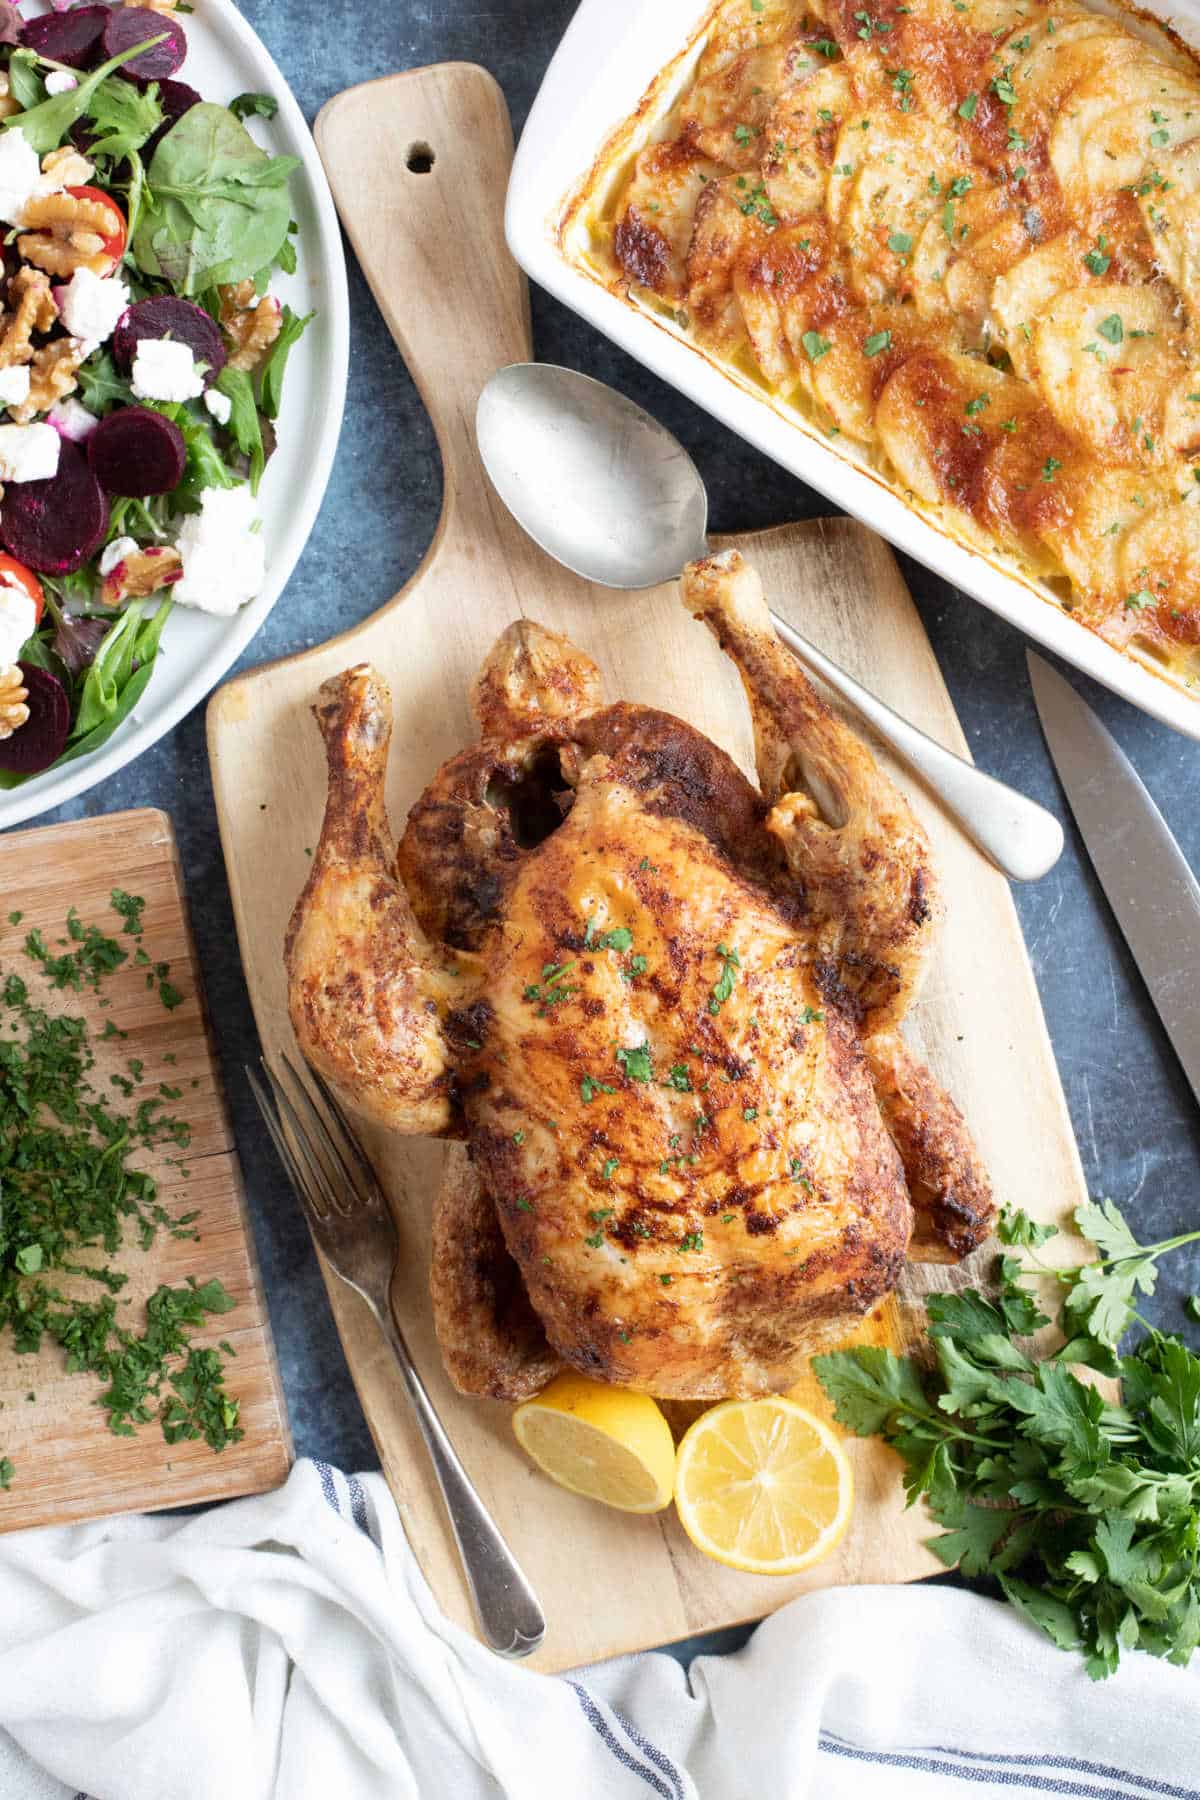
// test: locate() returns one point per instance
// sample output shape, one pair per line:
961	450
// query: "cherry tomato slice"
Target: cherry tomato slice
15	574
114	243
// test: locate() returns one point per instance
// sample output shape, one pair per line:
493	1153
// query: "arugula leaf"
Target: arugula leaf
122	117
244	426
248	106
291	330
205	466
101	386
216	208
46	125
25	84
121	682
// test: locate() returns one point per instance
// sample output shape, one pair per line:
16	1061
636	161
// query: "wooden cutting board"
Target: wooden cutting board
432	247
69	1466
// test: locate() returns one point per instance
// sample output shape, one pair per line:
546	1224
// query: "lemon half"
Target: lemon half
604	1442
763	1486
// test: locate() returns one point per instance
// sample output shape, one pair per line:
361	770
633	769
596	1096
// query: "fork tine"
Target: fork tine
338	1113
303	1146
335	1151
297	1176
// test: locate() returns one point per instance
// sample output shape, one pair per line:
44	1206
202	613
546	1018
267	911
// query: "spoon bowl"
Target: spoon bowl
598	483
606	490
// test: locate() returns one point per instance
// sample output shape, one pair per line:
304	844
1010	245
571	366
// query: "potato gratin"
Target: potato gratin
964	234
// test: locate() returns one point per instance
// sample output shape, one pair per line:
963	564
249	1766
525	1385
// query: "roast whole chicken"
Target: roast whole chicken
660	1005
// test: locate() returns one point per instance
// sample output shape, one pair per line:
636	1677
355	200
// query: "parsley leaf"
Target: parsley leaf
1086	1512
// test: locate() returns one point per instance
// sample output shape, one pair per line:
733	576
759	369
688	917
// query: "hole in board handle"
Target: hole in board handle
420	159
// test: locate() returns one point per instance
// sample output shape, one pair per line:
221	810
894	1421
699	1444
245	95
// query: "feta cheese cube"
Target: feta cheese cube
71	419
224	562
90	307
14	384
164	369
116	552
28	452
18	618
58	81
20	174
219	405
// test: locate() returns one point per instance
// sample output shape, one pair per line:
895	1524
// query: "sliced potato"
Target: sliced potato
881	196
751	55
1021	296
1170	206
799	140
1050	64
727	227
1118	123
1107	358
1089	541
658	214
768	282
1160	553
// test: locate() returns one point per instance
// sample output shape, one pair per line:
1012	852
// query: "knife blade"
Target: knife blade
1148	884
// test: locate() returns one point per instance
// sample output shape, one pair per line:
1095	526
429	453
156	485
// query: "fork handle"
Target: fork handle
507	1608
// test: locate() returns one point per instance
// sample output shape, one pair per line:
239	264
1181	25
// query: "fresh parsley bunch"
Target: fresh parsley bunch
1086	1511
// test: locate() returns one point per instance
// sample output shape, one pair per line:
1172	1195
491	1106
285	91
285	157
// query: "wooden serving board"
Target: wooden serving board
69	1466
432	247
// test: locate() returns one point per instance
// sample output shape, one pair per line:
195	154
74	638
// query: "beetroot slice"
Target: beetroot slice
55	525
71	37
166	316
41	740
128	26
138	452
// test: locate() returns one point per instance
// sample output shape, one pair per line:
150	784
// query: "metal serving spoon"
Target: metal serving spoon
608	491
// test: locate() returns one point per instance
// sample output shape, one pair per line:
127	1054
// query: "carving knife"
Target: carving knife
1151	889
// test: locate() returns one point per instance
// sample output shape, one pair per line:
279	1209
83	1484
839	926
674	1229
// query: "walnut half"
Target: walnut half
32	308
13	695
63	233
51	377
251	324
140	573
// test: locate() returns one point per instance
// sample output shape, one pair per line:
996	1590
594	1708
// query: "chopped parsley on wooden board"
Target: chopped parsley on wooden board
74	1195
130	1378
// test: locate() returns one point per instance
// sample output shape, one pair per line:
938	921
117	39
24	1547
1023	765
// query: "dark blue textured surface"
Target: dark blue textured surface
1138	1129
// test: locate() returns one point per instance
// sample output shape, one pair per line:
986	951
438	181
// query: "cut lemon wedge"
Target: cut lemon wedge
603	1442
763	1486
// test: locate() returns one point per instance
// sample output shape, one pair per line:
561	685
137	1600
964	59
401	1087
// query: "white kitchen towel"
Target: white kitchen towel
287	1648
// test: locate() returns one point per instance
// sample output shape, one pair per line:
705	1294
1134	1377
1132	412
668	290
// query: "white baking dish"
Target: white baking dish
611	54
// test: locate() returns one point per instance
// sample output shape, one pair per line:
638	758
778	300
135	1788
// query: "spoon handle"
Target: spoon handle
1020	837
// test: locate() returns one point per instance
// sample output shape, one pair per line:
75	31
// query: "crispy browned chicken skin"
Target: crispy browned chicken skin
661	1006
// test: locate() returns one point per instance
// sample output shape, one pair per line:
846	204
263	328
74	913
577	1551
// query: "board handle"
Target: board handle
418	164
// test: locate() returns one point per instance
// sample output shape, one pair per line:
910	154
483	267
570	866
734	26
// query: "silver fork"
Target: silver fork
353	1229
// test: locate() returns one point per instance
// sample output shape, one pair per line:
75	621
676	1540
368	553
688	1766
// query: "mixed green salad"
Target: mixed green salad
142	358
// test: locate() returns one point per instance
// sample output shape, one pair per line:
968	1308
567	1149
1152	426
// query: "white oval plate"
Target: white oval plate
226	58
